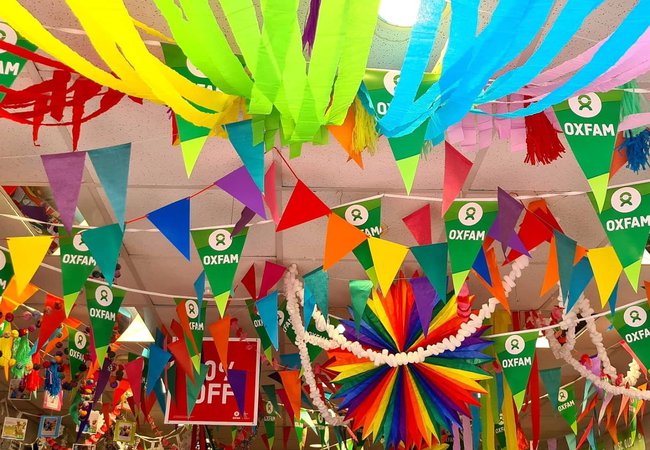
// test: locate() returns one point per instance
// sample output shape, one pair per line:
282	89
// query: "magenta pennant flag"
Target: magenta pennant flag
457	168
241	186
133	371
272	274
246	216
173	221
237	380
64	173
419	224
426	299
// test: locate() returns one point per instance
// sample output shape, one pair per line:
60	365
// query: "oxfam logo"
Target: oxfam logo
80	340
78	243
635	316
562	395
626	199
104	296
194	70
8	35
220	240
269	407
586	105
3	260
515	345
470	214
356	215
192	309
390	81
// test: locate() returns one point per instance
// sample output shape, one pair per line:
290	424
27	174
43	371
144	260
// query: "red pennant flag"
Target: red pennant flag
133	371
220	331
457	168
182	358
533	389
119	392
303	206
536	228
53	317
419	224
341	239
272	274
269	192
292	387
286	432
248	280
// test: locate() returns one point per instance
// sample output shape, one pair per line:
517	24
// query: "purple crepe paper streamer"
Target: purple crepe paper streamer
309	34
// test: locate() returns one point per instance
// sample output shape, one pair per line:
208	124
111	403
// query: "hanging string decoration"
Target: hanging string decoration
409	404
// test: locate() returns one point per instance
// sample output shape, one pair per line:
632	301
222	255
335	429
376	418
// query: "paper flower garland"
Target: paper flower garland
408	404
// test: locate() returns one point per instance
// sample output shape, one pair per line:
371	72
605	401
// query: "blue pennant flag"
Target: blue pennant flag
173	221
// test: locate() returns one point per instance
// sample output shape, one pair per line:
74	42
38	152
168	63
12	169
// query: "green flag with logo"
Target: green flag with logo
500	431
366	216
267	346
625	217
6	270
632	324
566	406
270	415
103	304
77	349
76	265
467	224
515	353
220	253
590	123
284	322
10	64
196	318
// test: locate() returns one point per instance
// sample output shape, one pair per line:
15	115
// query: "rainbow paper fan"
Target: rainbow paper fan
408	405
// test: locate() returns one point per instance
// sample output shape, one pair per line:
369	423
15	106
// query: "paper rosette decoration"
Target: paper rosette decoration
409	404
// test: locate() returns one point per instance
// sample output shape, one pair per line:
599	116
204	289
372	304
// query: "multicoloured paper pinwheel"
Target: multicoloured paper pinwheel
408	404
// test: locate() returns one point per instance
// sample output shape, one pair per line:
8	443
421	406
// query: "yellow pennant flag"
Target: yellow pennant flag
27	253
607	269
387	257
12	299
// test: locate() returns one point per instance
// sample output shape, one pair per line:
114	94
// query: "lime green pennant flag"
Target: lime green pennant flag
103	305
77	264
515	353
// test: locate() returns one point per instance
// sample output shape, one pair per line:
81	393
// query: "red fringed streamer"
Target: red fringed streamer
309	33
533	388
542	140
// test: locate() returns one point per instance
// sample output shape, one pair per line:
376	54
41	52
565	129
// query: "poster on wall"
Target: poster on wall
216	403
50	426
14	428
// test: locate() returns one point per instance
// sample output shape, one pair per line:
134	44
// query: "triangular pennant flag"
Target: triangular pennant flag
103	306
112	167
240	185
387	257
268	310
317	281
566	250
406	151
76	265
341	238
199	288
246	216
270	197
133	371
551	379
158	359
27	254
6	270
267	347
344	135
104	244
634	327
507	218
220	331
173	221
607	269
193	389
590	123
457	168
359	293
303	206
535	229
240	135
433	260
237	380
77	349
64	174
292	388
426	299
12	299
191	149
481	268
580	278
566	406
515	353
419	224
271	275
309	304
182	358
624	217
249	281
53	317
496	288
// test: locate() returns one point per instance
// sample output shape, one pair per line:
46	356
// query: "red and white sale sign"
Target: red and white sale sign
216	403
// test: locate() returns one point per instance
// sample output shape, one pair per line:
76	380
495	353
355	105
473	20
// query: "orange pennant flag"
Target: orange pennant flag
220	331
291	383
552	275
12	298
342	237
27	254
343	134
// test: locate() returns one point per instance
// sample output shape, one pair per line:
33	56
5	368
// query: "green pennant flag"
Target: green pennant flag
500	431
590	123
76	265
625	217
366	216
77	349
194	389
103	304
467	224
196	318
566	406
632	324
299	427
359	293
269	418
267	346
192	137
10	64
220	253
6	270
515	353
323	430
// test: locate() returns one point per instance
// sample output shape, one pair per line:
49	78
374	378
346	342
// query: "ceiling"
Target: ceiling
157	177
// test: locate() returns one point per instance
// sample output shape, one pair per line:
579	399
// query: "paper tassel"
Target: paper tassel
341	238
271	275
240	185
268	310
359	294
364	134
303	206
220	331
387	257
112	167
317	281
52	380
637	150
104	244
457	168
240	135
237	380
542	140
27	253
64	173
419	224
173	221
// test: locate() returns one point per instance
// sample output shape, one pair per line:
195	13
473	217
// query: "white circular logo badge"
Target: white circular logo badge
515	344
470	214
635	316
3	260
7	34
586	105
80	340
78	243
194	70
356	215
104	296
390	80
220	240
280	317
562	395
192	309
269	407
626	199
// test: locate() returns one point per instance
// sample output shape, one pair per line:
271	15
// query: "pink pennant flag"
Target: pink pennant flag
272	274
269	193
64	173
457	168
419	224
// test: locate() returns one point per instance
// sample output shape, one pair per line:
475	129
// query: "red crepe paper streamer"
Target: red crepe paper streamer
542	140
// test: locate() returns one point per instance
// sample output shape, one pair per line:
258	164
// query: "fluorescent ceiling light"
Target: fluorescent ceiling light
137	331
401	13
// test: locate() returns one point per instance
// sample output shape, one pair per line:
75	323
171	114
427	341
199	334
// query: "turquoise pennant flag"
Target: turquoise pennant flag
241	137
112	167
566	250
317	282
267	308
104	244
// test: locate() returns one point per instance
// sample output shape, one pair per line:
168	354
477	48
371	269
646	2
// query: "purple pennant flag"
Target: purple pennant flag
247	215
237	380
426	299
509	211
241	186
64	173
